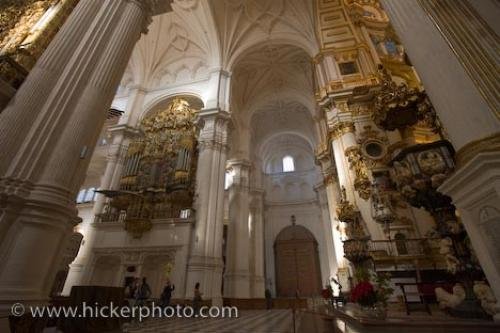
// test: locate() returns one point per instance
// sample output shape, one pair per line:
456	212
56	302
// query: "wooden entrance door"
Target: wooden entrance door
297	263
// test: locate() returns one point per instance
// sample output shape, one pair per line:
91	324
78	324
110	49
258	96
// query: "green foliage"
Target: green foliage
380	282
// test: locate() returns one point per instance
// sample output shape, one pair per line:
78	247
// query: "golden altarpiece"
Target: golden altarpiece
158	176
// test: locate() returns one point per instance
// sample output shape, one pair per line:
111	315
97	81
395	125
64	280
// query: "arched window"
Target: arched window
228	180
89	196
81	196
288	164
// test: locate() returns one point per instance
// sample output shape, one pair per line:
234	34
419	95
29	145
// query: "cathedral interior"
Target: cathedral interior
322	165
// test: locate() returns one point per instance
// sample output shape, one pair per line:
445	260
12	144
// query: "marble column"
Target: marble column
47	135
453	50
205	261
237	275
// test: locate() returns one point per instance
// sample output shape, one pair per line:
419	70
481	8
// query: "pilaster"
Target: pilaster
237	276
205	262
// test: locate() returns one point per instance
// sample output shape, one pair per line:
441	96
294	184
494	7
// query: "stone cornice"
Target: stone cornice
469	151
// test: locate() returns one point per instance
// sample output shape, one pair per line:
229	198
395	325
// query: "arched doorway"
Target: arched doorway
297	263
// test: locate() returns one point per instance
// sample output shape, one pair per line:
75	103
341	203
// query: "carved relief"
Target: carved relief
397	106
362	183
338	129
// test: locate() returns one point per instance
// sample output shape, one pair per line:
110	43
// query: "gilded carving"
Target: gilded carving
346	212
23	38
398	106
357	163
340	128
158	176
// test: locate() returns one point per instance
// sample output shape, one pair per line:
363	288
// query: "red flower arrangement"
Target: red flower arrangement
327	293
364	293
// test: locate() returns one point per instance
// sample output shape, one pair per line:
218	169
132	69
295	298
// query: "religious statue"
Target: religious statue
446	249
485	295
447	300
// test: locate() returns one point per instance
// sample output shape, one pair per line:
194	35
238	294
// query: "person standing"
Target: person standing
131	291
269	299
143	293
197	298
166	295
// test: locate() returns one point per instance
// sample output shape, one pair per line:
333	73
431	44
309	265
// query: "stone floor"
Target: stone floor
249	321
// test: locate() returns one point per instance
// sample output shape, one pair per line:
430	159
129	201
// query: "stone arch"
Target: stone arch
106	270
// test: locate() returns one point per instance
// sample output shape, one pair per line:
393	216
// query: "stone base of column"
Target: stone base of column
74	278
34	237
237	284
208	272
258	287
475	190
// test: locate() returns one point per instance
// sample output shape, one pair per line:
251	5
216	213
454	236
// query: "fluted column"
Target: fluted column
47	135
237	276
205	261
453	49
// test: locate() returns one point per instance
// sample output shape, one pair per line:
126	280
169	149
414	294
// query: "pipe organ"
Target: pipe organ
159	171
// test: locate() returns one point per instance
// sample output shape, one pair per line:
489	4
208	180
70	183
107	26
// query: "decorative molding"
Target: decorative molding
469	151
357	163
340	128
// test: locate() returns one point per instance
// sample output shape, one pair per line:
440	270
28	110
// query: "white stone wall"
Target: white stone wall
167	242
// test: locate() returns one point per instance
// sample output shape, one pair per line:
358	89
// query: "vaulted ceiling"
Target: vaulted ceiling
243	24
173	52
267	46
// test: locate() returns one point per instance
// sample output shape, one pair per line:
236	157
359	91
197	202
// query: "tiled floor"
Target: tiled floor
250	321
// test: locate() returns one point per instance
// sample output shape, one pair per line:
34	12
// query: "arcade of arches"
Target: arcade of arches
256	147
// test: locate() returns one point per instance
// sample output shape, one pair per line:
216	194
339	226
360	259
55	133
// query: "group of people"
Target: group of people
138	293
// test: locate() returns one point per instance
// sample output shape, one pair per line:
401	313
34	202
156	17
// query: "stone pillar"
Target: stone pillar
352	170
79	273
81	269
330	190
47	135
453	50
320	190
237	276
257	278
205	261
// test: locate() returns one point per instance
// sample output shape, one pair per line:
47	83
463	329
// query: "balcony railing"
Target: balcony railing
12	72
403	247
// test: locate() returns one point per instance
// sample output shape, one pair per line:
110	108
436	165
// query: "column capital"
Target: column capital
216	113
213	124
240	163
338	128
125	130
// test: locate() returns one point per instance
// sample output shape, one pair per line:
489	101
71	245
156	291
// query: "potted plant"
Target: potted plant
371	293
